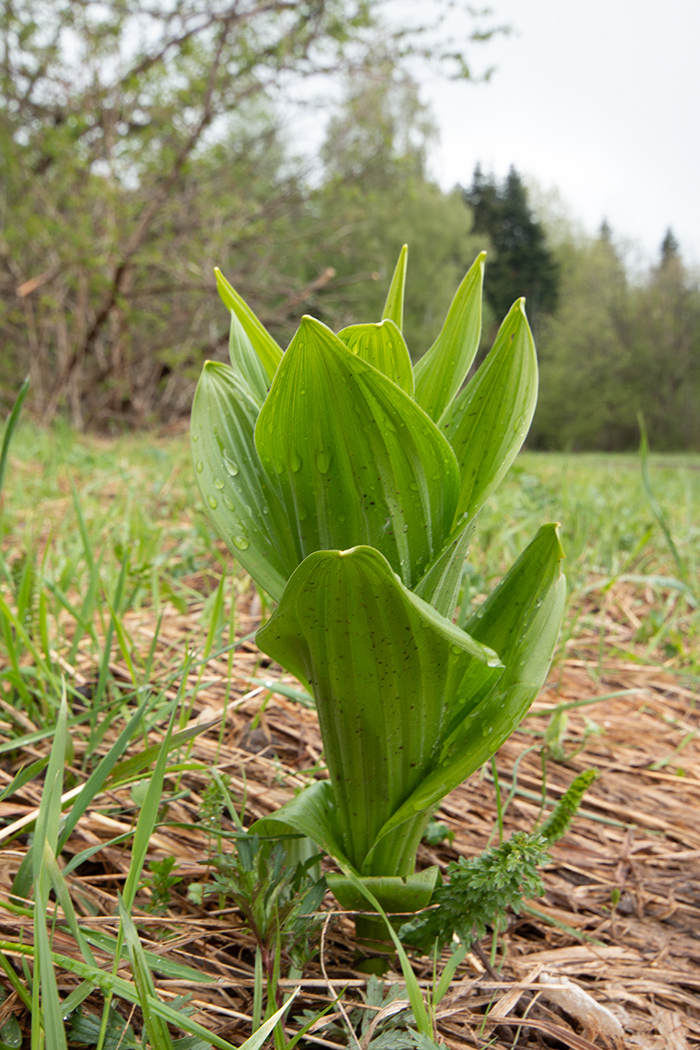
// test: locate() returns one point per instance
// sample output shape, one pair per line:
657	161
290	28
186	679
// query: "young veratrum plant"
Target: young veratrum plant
347	482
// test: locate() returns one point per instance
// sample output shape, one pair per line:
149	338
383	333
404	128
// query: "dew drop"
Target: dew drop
229	503
200	466
341	519
218	483
295	462
231	467
302	512
456	649
280	465
213	502
323	461
195	437
241	543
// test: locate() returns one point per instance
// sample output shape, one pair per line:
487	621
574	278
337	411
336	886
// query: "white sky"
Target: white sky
599	99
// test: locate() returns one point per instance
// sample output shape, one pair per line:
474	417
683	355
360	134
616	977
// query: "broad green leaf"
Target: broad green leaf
353	459
489	421
313	813
393	307
522	617
440	584
395	893
237	494
442	370
384	347
384	668
265	346
246	365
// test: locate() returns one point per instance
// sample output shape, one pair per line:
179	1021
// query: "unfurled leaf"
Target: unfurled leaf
265	346
440	584
521	619
393	307
395	893
442	370
489	421
352	458
234	487
384	668
383	346
246	364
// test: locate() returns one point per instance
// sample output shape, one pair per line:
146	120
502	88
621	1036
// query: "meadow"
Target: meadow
128	666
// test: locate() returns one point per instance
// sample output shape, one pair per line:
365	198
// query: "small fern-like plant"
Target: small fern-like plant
481	890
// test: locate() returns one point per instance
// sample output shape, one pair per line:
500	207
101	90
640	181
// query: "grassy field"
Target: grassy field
118	603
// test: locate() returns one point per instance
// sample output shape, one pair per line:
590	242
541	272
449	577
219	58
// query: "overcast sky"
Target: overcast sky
598	98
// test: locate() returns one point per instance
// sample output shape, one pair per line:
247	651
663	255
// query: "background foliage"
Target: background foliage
139	149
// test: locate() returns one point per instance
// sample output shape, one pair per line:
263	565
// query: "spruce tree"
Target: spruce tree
521	263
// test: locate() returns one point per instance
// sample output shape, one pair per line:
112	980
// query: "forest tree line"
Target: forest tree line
138	151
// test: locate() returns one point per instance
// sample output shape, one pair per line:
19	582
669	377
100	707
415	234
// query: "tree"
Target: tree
670	248
139	146
521	264
619	345
376	195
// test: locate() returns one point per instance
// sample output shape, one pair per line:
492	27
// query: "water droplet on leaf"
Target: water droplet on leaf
213	502
231	467
218	483
200	466
241	543
323	461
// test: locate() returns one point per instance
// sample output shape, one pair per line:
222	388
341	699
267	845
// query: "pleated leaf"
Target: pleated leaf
442	370
395	893
313	813
393	307
353	459
383	346
440	584
237	494
269	352
522	618
487	424
384	668
245	363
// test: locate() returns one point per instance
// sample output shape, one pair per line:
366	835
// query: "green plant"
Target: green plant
349	491
160	881
482	889
277	898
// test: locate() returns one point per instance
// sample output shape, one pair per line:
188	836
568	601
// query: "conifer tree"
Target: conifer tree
521	263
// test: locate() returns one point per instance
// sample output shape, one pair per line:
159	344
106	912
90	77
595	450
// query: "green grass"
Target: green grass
93	530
